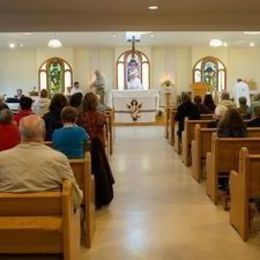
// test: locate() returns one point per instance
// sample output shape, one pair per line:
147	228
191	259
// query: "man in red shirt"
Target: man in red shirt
25	109
9	133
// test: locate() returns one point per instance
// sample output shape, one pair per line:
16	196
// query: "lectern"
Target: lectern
199	89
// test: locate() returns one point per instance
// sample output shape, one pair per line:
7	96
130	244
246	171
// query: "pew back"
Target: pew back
86	181
42	222
188	136
202	144
244	185
224	157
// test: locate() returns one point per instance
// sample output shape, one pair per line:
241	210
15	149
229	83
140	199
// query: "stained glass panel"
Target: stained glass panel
211	71
133	64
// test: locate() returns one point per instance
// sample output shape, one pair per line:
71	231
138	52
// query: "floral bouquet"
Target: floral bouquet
167	83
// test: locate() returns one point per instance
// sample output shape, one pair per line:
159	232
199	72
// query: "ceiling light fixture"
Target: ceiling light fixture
153	7
12	45
54	43
225	44
252	32
27	33
152	35
215	43
252	44
21	45
114	36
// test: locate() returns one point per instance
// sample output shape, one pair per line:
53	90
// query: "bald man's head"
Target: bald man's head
32	129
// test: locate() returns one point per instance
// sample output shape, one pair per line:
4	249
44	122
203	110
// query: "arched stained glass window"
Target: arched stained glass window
55	75
133	64
211	71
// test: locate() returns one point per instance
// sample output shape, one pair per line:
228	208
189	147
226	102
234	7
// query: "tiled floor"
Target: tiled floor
159	211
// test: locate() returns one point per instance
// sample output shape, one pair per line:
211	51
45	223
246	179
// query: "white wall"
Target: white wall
19	68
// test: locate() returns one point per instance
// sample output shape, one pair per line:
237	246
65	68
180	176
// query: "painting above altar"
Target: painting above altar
135	106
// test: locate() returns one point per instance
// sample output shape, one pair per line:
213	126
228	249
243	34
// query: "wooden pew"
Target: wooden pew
199	148
86	181
207	116
40	222
187	137
172	123
177	141
174	127
109	130
224	157
244	185
201	145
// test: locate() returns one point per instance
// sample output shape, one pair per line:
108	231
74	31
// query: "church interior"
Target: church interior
167	202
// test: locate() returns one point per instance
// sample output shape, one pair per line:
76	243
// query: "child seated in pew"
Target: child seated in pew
219	113
71	139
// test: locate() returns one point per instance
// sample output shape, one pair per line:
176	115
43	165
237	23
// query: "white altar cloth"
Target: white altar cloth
147	103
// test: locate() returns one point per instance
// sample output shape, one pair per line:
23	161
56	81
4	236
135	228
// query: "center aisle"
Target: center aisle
159	211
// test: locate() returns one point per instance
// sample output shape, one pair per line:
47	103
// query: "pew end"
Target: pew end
40	222
86	181
244	186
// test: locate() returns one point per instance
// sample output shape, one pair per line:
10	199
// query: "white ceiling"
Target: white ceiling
114	39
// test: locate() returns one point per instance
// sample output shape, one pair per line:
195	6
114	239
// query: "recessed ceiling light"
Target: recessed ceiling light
114	35
225	44
252	33
153	7
12	45
27	33
252	44
152	35
54	43
215	43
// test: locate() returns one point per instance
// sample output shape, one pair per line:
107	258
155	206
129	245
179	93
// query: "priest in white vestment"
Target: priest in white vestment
242	90
134	82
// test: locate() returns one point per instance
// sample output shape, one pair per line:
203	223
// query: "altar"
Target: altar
135	106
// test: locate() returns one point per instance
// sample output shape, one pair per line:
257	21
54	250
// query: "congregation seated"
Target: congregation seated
41	105
9	133
25	109
201	107
226	101
243	108
92	120
32	166
254	104
186	109
255	122
232	125
52	119
209	103
76	101
219	113
70	139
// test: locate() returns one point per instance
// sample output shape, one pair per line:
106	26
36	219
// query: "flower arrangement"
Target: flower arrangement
167	83
34	92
